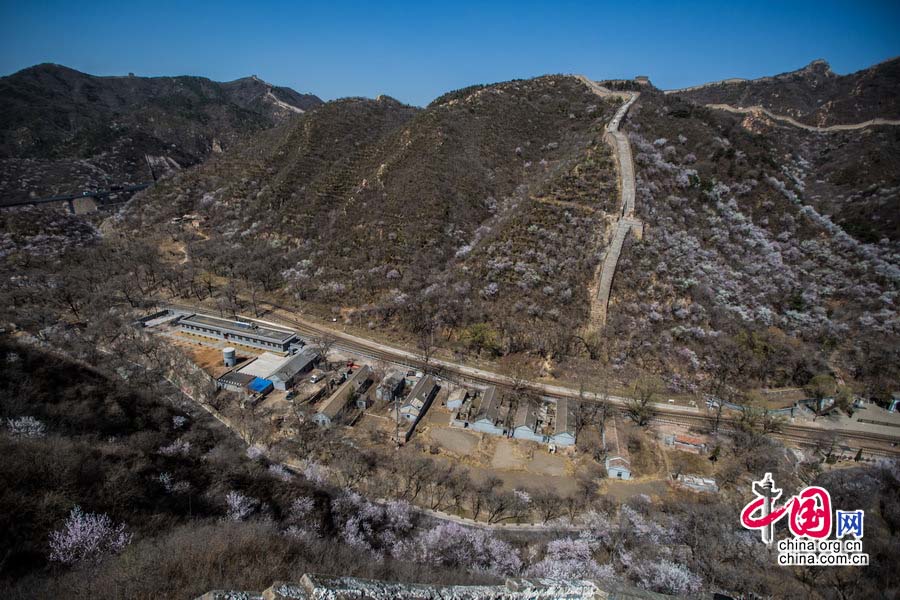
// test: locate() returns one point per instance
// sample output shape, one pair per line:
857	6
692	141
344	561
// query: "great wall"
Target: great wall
626	221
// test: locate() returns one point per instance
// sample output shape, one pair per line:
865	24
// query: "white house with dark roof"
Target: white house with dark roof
488	418
416	404
419	399
293	367
564	425
618	463
526	425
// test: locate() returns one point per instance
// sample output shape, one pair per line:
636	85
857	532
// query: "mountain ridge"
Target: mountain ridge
813	95
63	130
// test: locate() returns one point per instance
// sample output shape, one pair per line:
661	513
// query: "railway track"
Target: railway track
876	444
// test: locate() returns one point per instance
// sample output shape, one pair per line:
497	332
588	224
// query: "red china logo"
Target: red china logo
810	521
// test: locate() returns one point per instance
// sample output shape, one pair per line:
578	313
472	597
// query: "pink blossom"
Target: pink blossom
87	537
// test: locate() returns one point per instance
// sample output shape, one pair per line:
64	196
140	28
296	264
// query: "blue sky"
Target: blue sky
415	51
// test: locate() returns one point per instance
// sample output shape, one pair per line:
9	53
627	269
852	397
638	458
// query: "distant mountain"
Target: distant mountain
853	175
63	130
813	95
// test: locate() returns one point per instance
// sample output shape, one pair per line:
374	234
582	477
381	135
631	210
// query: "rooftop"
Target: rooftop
420	392
526	415
294	364
236	378
239	327
338	400
490	405
565	423
265	364
259	384
459	394
687	439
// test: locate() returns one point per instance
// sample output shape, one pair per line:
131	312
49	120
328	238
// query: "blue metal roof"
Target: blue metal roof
260	385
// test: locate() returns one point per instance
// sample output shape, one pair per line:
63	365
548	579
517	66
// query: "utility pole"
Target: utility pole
397	422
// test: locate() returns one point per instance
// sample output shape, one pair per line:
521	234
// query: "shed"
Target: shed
618	468
234	381
689	443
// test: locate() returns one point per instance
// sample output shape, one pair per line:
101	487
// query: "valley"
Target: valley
548	330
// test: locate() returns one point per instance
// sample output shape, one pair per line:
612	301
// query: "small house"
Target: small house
417	403
293	368
618	462
526	425
391	387
618	467
338	402
564	425
488	417
456	398
419	399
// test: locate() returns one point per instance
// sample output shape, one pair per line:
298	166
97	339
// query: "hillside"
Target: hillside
487	194
483	217
62	130
813	95
769	252
741	271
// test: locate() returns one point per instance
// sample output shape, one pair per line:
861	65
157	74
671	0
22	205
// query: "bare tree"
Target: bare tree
499	504
426	345
594	343
547	504
480	492
638	407
517	369
584	411
325	343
